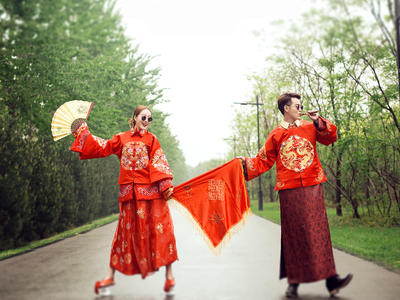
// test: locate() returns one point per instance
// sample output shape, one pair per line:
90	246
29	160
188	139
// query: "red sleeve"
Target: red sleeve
164	184
159	168
264	160
90	146
326	132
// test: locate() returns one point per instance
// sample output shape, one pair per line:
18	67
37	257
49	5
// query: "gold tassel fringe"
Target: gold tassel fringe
234	229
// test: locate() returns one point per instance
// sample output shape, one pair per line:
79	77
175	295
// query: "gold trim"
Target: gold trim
286	125
196	226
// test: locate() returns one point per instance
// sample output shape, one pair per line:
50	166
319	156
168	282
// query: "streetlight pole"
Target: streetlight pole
260	196
257	103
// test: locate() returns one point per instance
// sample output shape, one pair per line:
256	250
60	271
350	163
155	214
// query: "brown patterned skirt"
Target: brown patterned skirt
306	249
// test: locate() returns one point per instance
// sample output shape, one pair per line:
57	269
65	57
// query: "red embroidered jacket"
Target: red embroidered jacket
295	152
142	161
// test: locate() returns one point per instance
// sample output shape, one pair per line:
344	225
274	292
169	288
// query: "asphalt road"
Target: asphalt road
247	269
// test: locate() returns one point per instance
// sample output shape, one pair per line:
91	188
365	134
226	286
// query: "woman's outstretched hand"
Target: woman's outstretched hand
79	127
168	193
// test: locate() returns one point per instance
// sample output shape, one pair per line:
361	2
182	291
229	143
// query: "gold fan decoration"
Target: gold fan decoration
68	117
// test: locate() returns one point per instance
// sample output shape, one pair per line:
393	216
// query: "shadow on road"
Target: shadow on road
111	297
314	297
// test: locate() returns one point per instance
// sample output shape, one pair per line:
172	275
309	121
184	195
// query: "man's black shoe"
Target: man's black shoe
335	283
291	291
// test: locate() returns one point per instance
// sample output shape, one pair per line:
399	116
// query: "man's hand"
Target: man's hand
167	194
313	115
243	160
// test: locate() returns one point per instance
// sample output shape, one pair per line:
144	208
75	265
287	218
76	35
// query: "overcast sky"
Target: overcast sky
205	50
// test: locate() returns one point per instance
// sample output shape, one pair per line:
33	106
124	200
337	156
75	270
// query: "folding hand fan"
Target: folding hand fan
68	117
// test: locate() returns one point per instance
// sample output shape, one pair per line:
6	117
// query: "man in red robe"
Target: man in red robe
306	249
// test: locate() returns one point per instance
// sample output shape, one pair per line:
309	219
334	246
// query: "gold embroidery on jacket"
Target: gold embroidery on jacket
296	153
160	162
134	156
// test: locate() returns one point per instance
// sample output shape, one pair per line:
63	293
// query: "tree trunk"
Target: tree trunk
271	193
354	205
367	194
271	188
338	188
356	215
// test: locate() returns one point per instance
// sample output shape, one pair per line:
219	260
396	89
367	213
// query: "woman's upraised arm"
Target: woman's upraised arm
89	146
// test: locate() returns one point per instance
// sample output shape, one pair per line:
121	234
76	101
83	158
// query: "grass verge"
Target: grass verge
365	239
63	235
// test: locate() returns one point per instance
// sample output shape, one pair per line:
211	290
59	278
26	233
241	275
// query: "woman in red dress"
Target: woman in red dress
144	239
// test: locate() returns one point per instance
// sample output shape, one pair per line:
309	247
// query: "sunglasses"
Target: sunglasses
298	106
149	119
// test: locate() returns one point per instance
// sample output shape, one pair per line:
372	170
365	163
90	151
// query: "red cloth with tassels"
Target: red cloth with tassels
216	200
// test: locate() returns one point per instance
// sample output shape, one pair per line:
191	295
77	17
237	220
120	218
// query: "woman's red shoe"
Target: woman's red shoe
103	283
169	284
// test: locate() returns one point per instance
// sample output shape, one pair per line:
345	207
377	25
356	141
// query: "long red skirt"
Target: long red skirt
306	248
144	239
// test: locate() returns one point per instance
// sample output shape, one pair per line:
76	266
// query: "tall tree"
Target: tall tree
342	60
52	52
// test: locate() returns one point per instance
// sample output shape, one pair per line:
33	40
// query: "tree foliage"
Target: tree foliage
52	52
342	60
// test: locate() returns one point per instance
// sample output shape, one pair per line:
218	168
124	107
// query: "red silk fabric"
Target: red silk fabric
216	200
144	239
141	158
295	152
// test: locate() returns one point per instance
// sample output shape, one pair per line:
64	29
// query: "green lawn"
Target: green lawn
36	244
368	240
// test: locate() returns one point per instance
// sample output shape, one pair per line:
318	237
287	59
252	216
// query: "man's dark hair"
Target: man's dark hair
286	99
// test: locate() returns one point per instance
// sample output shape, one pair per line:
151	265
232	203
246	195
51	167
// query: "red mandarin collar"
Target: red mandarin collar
140	132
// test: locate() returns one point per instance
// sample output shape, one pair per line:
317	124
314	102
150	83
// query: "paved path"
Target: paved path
246	269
